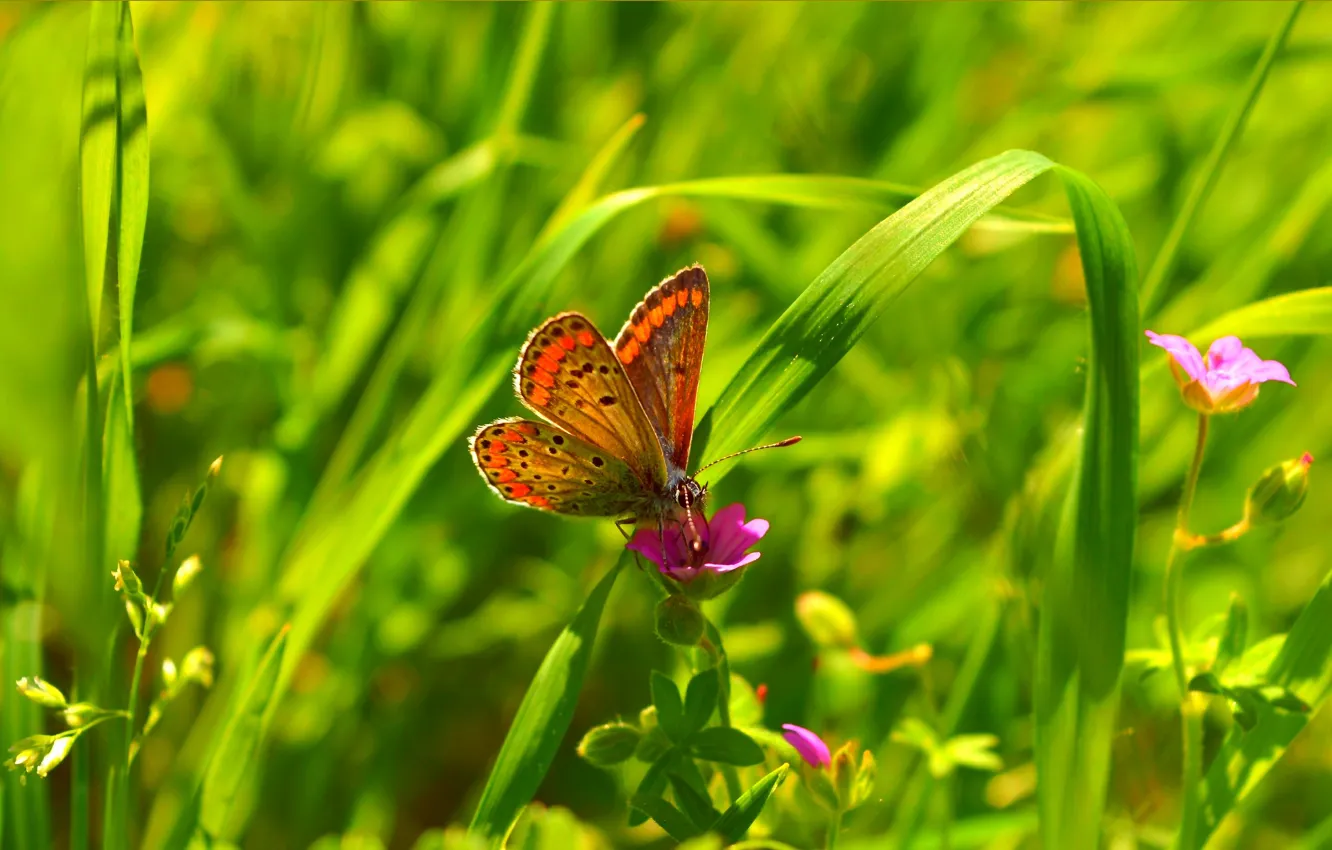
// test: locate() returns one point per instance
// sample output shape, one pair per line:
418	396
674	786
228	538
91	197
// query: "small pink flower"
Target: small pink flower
1225	380
725	538
810	746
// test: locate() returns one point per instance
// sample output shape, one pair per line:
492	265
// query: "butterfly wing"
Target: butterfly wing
568	375
545	467
661	348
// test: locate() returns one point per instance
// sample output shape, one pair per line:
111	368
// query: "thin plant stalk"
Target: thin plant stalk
1153	283
834	831
718	652
1190	706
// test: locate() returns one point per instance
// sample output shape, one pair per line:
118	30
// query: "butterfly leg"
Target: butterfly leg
622	522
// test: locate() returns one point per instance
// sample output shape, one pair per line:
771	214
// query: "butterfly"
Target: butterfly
616	420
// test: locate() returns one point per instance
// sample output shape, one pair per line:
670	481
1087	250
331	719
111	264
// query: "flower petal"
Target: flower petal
1224	351
732	564
1270	370
1183	351
722	532
810	746
647	543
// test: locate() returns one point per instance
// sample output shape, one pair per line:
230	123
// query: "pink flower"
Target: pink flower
1225	380
725	539
810	746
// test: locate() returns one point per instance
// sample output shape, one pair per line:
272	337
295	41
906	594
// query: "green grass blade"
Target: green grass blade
735	821
239	743
1304	666
132	194
541	721
1304	313
1085	607
26	808
97	149
834	312
1153	285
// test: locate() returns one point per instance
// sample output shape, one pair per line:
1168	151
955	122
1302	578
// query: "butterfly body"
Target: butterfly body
616	421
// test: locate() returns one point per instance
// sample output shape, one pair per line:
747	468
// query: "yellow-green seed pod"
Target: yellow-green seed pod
679	621
609	744
1280	491
827	620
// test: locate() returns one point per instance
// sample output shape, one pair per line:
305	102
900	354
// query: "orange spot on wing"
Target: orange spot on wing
540	396
642	332
585	339
537	501
505	476
682	297
697	297
496	462
654	315
545	379
519	490
512	437
555	352
545	362
567	342
668	306
525	428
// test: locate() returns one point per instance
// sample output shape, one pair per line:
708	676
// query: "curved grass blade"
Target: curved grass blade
834	312
1080	650
1304	313
541	721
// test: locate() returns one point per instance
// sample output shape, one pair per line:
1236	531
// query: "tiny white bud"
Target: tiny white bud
197	666
189	568
41	692
215	467
59	749
168	672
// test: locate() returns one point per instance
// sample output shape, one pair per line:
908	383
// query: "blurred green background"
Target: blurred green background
338	189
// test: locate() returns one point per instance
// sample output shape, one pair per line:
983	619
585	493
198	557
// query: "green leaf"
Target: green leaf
1303	667
1207	683
975	751
697	807
541	721
916	733
240	740
651	785
668	817
735	821
670	707
1234	637
726	745
700	700
1080	648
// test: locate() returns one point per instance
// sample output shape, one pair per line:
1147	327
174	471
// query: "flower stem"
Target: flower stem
834	831
134	701
1190	713
714	646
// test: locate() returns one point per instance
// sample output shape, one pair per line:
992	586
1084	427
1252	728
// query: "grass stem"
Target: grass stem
1190	711
729	773
1153	284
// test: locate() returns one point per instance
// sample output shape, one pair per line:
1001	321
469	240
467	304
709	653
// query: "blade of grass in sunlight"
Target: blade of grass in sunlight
542	719
1304	666
28	808
113	188
1084	611
235	747
1304	313
1153	285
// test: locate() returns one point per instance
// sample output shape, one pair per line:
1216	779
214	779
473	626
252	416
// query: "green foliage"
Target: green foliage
358	212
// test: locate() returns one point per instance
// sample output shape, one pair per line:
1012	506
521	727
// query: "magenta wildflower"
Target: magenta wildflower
1225	380
725	538
810	746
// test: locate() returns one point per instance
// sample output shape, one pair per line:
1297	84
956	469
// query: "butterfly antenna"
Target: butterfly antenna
789	441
